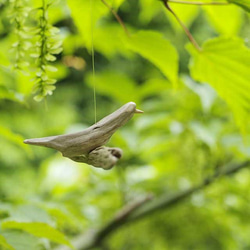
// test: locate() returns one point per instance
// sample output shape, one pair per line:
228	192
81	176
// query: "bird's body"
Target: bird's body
78	146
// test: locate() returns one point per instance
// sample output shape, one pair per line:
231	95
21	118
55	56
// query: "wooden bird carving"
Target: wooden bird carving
88	145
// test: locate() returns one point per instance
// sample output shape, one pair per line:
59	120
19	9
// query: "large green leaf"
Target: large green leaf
17	240
4	244
38	229
148	10
14	138
224	64
245	4
225	19
6	93
187	15
152	46
29	213
107	40
115	3
107	82
85	15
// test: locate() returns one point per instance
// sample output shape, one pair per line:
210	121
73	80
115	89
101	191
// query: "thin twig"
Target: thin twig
190	37
166	201
121	216
198	3
117	18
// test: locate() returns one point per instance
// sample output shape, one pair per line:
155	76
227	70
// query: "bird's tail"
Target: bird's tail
44	141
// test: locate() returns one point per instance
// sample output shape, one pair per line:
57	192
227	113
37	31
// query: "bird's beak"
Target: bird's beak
138	111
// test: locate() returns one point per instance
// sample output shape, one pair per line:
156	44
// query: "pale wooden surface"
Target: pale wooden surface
77	146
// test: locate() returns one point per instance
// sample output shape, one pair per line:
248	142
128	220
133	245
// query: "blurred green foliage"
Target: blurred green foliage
185	134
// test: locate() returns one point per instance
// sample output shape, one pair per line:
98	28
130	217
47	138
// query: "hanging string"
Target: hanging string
93	56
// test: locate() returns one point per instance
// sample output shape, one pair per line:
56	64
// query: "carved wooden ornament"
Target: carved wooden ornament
87	146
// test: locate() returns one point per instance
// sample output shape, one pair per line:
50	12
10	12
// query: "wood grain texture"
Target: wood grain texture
77	146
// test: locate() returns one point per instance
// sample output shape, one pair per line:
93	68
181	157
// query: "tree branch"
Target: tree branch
145	207
117	17
189	35
198	3
165	201
93	238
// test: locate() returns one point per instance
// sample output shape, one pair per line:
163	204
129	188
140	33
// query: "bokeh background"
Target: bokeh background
185	134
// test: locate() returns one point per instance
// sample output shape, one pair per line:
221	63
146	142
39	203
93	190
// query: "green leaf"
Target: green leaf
5	93
55	50
50	68
152	87
49	89
38	229
148	10
245	4
187	15
35	55
5	207
224	64
38	98
85	15
50	57
108	40
18	240
106	83
29	213
205	92
4	244
116	3
152	46
14	138
225	19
